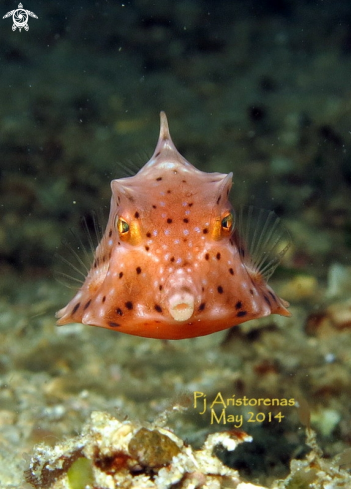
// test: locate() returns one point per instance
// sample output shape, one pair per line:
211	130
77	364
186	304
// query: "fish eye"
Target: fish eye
228	222
122	226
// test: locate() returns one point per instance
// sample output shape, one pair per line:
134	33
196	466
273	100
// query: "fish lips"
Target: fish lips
180	294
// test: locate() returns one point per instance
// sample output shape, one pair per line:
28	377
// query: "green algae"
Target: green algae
80	474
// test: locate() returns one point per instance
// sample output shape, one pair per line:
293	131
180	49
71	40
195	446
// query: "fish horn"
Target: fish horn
164	143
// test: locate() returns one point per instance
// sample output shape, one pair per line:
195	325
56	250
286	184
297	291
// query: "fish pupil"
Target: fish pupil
228	222
122	225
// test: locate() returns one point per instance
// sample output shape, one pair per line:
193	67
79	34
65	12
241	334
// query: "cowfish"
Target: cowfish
176	261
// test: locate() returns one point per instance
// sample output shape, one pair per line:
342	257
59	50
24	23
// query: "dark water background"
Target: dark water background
259	88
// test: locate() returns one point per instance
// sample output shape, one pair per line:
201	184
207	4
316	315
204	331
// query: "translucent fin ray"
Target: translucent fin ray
77	256
130	167
264	239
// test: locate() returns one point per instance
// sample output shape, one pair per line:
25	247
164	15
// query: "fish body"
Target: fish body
172	263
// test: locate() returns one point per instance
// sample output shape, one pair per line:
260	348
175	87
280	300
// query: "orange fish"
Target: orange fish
174	261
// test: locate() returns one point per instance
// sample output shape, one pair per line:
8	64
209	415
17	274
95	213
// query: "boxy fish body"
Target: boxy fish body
172	262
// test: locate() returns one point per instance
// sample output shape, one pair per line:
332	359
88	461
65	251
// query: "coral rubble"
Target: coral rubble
112	453
121	454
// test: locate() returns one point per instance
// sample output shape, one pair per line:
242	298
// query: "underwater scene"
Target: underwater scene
175	244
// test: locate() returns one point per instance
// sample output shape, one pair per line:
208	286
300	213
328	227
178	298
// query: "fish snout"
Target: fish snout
180	295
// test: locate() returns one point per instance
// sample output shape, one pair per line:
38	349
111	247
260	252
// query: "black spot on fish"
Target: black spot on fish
186	220
169	191
220	289
136	215
251	292
110	233
113	325
172	259
202	306
160	287
103	299
218	256
154	206
120	275
119	311
207	256
129	305
231	271
138	270
205	231
190	204
238	305
148	235
147	248
169	220
241	314
87	304
158	308
158	179
76	307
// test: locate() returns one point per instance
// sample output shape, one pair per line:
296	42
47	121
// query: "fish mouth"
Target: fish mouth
181	306
179	296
